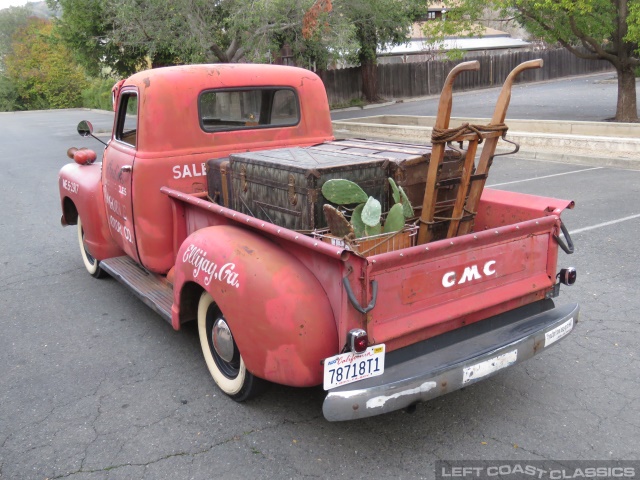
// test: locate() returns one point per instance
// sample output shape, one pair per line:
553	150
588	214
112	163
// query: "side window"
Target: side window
127	127
240	109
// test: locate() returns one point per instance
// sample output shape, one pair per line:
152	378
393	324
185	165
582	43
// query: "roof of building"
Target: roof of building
483	43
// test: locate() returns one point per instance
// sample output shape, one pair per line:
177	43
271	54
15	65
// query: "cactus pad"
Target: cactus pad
395	219
343	192
371	212
356	221
375	230
395	191
406	204
338	225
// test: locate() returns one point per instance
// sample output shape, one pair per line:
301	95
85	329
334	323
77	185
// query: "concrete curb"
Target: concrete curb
78	109
366	107
555	141
587	160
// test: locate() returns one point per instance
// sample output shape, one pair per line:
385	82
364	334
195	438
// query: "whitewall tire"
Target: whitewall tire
91	264
222	355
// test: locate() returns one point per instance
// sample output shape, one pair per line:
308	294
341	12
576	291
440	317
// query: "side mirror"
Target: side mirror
85	129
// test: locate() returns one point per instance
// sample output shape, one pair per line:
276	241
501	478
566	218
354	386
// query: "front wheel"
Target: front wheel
222	355
91	264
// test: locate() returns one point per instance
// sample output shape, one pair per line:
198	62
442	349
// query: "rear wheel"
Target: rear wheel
91	264
222	355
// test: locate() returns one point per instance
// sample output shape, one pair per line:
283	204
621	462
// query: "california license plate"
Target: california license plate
351	367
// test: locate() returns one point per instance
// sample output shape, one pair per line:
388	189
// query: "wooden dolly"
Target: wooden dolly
471	184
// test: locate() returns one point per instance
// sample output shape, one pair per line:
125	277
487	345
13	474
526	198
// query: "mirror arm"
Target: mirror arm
104	143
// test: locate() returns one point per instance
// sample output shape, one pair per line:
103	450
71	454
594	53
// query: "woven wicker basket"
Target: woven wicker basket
375	244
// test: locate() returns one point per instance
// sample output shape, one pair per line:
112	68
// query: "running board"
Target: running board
152	289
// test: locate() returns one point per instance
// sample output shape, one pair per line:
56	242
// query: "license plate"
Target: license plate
557	333
351	367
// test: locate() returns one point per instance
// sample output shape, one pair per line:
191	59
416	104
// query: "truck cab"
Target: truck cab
168	123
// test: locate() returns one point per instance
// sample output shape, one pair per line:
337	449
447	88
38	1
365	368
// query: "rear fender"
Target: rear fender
276	308
81	195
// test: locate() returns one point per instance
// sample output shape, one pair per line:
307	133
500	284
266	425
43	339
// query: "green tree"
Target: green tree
86	27
9	100
42	69
378	23
186	31
316	34
159	28
460	19
225	31
12	19
601	27
590	29
125	34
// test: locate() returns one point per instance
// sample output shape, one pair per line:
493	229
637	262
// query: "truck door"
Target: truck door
118	171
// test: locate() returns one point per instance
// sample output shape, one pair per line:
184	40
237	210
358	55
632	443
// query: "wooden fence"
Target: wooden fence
403	80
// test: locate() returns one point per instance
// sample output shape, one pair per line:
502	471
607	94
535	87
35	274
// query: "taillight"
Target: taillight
567	276
358	340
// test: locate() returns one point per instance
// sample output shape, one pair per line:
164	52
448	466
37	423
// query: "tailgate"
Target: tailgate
430	289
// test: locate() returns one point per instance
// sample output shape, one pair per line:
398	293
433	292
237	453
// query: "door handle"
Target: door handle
124	169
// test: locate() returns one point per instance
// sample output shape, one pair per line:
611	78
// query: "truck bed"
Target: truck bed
446	310
422	291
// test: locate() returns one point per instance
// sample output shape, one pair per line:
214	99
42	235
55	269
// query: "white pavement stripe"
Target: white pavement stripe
546	176
605	224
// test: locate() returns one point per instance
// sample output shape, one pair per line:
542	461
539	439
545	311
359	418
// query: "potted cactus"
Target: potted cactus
366	218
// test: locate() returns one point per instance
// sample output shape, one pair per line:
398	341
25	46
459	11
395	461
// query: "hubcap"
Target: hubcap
222	340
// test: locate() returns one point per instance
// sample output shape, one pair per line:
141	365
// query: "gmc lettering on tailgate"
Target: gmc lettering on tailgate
448	279
469	274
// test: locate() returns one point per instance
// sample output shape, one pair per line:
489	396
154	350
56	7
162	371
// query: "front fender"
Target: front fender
81	195
276	308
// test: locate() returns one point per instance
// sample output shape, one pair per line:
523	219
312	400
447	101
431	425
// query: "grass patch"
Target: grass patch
354	102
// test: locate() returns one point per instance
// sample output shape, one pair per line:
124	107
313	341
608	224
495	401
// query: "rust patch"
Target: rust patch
537	346
356	406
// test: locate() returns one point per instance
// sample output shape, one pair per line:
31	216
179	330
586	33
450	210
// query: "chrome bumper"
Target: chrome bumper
453	365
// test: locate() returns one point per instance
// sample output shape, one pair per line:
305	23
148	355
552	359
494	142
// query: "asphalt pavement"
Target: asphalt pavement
584	98
94	385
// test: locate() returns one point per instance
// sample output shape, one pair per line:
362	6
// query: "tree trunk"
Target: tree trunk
369	72
368	39
627	108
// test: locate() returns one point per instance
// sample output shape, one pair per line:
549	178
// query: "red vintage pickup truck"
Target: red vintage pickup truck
274	300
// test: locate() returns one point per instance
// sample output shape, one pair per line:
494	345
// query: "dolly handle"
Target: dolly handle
444	107
502	104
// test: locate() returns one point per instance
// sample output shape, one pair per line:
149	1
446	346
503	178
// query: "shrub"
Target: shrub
9	101
98	94
42	70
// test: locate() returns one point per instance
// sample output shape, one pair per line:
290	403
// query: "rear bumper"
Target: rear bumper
452	361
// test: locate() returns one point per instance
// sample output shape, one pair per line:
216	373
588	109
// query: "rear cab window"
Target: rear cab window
127	126
239	109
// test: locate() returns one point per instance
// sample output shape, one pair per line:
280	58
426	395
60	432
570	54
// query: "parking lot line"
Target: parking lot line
605	224
545	176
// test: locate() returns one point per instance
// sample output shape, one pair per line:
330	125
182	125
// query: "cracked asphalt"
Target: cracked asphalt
94	385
